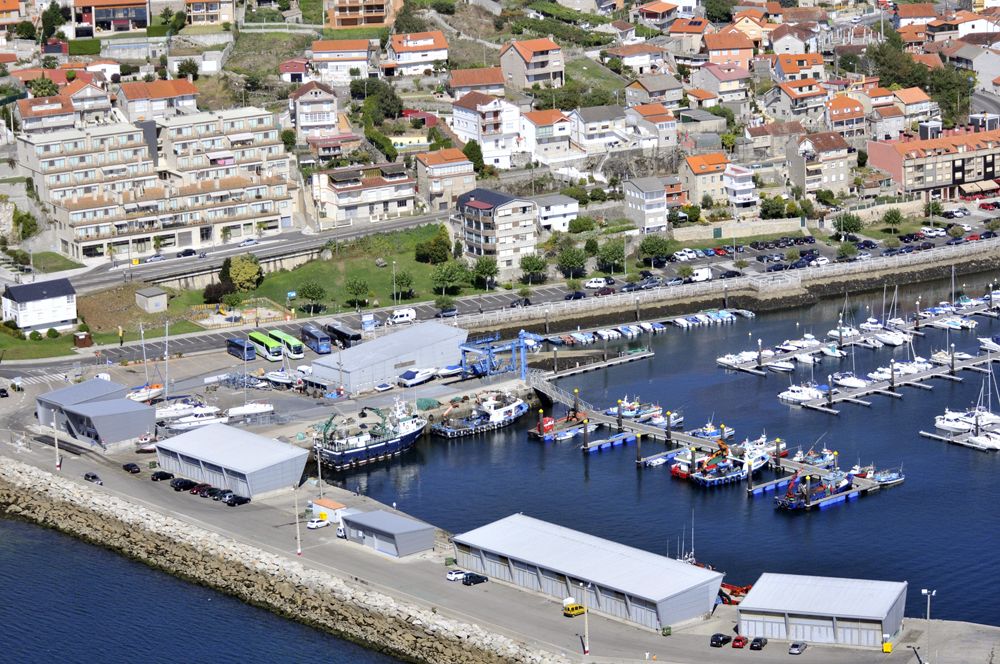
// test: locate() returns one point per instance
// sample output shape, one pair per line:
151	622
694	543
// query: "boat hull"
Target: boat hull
376	451
446	431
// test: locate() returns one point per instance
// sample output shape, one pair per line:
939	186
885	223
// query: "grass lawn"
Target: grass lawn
467	54
261	52
50	261
879	231
312	11
356	33
594	74
15	180
201	30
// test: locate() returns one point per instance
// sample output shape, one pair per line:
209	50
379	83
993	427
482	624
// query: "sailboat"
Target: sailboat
148	391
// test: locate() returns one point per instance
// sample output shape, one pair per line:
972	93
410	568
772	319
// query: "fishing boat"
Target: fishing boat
676	419
348	445
713	432
781	366
849	380
889	477
803	393
198	420
686	462
762	444
803	492
146	392
648	411
728	470
832	351
493	412
629	408
825	458
251	409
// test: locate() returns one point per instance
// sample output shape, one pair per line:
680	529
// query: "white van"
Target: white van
401	316
701	274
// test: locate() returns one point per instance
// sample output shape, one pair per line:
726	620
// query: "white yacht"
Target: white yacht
849	380
845	332
801	393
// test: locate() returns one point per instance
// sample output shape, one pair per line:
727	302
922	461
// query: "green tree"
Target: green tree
444	301
893	218
572	262
848	223
232	299
611	256
314	292
772	208
685	272
3	71
579	193
728	140
893	242
485	270
993	224
726	113
447	276
862	158
52	18
533	268
25	30
43	87
178	21
956	231
673	216
933	209
846	250
404	284
826	197
245	272
582	225
166	15
693	213
436	250
358	290
719	11
474	153
654	245
456	248
741	264
49	62
288	138
807	207
188	67
573	284
598	195
796	192
706	202
590	247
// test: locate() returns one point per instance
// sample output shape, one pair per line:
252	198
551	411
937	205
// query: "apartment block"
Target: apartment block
741	191
209	12
414	54
362	13
533	62
646	203
821	161
702	176
499	225
545	133
313	110
141	101
442	176
362	194
491	122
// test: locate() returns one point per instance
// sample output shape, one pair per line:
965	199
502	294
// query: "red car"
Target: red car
719	251
973	238
198	487
987	206
607	290
740	642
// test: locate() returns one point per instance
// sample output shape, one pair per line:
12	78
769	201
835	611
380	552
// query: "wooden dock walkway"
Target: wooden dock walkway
963	439
623	358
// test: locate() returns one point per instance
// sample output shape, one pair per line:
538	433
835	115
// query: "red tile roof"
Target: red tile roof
703	164
473	100
405	43
528	48
465	78
442	157
844	108
180	87
728	40
690	26
545	118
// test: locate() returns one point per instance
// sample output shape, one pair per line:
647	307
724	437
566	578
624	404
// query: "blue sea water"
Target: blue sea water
62	600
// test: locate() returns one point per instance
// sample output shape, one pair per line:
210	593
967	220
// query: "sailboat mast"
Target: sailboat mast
166	359
142	340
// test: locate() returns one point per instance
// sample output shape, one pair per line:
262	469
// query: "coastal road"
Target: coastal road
530	618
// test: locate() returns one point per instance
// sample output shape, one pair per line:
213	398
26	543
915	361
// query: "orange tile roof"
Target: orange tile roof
657	7
916	10
755	14
879	92
463	78
844	108
84	65
912	96
527	49
159	89
794	89
654	112
340	45
442	157
57	76
700	94
402	43
789	62
32	108
9	5
545	118
703	164
948	144
929	60
728	40
8	58
889	111
77	85
690	26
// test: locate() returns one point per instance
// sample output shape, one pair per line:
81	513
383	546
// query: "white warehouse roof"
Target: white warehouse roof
861	599
232	448
587	558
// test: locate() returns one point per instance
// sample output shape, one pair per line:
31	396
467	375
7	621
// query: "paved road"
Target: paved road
984	101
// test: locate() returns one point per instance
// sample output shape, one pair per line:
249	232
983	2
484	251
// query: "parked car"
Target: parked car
575	295
631	288
573	610
132	468
316	524
249	242
777	267
161	475
455	574
598	282
186	253
235	500
730	274
924	246
819	261
740	641
676	281
955	240
473	579
863	256
204	492
156	258
758	643
93	477
198	488
987	235
212	493
604	290
520	302
797	648
447	312
223	495
3	393
975	237
182	484
719	640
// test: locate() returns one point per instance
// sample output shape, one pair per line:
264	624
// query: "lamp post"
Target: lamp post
928	593
298	531
586	621
394	283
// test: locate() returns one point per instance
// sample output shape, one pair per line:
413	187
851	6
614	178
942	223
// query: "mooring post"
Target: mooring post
637	315
586	434
555	359
953	359
829	390
760	354
620	426
638	447
576	402
892	375
546	321
670	435
541	413
605	349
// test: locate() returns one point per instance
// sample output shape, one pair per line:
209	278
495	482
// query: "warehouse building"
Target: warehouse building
93	412
637	586
389	533
230	458
382	360
819	609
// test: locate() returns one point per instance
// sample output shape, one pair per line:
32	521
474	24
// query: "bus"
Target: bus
343	335
242	349
315	339
292	347
265	346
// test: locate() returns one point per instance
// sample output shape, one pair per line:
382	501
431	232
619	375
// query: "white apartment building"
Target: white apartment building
491	122
740	190
499	225
159	99
415	53
646	203
442	176
339	61
313	110
362	194
555	211
598	128
41	305
545	134
209	12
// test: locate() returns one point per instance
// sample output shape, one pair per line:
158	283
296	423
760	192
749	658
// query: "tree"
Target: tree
49	62
590	247
26	30
741	264
611	256
52	18
245	272
772	208
253	82
579	193
673	216
933	209
706	202
358	290
993	225
726	113
862	158
166	15
157	243
796	192
572	262
807	207
178	21
314	292
893	242
533	268
848	223
846	250
288	138
893	218
719	11
598	195
70	76
826	197
187	68
232	299
457	248
214	292
693	213
43	87
474	152
436	250
956	231
404	284
654	245
685	272
581	224
444	301
449	275
3	70
728	140
485	270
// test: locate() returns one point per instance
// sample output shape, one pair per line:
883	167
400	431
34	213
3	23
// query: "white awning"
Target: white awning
988	185
241	137
220	155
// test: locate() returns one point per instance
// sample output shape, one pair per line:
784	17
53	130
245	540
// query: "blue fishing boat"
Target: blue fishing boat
713	432
718	471
804	493
494	412
396	432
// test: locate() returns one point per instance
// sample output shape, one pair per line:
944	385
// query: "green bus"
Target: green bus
266	347
293	347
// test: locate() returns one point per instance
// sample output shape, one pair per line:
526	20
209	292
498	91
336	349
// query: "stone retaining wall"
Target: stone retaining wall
283	586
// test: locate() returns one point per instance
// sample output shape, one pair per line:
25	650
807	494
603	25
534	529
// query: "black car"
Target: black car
161	475
908	249
809	240
986	235
924	246
131	468
645	274
756	245
730	274
758	643
447	312
956	240
473	579
520	302
799	264
777	267
212	493
3	393
186	253
630	288
720	640
890	252
182	484
204	491
234	500
575	295
763	258
659	261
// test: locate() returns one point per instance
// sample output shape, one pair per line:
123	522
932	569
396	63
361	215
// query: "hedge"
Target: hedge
85	47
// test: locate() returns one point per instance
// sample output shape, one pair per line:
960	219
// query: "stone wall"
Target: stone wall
279	584
735	229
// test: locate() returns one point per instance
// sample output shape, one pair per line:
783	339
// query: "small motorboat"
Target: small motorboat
944	357
803	393
871	325
844	332
450	370
415	377
384	387
893	338
195	421
146	392
987	441
832	351
991	344
657	462
849	380
781	366
250	409
869	342
806	358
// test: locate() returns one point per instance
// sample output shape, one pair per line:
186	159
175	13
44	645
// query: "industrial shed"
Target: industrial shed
819	609
231	458
94	412
362	367
390	533
624	582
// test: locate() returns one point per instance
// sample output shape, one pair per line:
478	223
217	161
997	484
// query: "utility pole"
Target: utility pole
298	532
586	621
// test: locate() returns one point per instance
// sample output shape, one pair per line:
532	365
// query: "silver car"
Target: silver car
797	648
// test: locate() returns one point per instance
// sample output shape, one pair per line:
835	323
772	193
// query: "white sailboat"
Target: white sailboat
250	409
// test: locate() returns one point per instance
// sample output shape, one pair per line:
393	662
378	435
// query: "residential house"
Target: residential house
729	49
646	203
312	108
110	15
658	88
701	98
366	194
656	14
741	192
799	66
209	12
296	70
751	23
913	36
91	102
41	305
533	61
600	7
653	121
488	81
699	121
886	123
141	101
498	225
674	189
640	58
960	162
346	14
688	34
792	39
442	176
801	100
769	140
545	134
45	114
61	77
555	211
491	122
914	14
929	60
727	82
879	97
415	54
339	61
845	116
595	129
104	67
702	176
623	31
11	13
984	62
821	161
915	105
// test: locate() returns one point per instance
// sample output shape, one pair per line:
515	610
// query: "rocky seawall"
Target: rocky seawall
267	580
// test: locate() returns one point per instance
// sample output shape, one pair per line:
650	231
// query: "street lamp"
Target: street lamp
298	532
928	593
586	621
394	283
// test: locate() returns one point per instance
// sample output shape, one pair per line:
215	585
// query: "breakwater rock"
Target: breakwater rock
268	580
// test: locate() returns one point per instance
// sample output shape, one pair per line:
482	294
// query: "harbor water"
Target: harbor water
935	531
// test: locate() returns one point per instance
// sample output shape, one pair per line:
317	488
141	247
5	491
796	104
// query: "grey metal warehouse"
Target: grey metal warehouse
820	609
390	533
362	367
624	582
94	412
231	458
